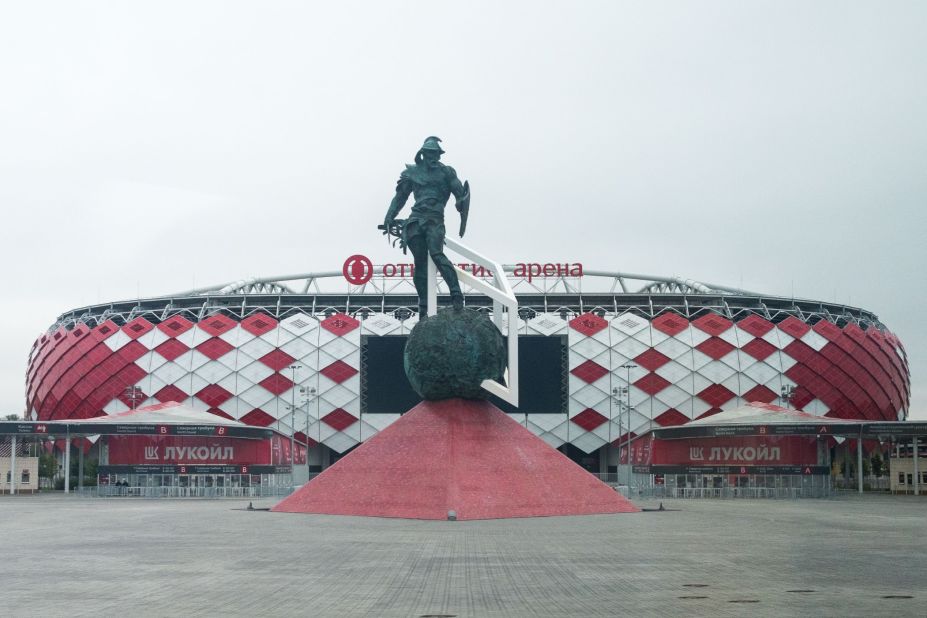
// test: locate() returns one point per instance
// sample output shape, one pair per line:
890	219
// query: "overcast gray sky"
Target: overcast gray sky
154	147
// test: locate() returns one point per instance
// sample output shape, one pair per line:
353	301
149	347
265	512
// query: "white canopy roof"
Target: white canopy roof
764	414
163	413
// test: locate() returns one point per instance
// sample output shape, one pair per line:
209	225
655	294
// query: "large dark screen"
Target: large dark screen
542	371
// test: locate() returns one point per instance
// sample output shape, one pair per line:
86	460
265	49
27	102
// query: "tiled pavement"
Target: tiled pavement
149	557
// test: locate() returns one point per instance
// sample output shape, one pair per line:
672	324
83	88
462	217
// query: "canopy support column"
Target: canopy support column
13	466
846	463
859	463
80	469
67	461
917	471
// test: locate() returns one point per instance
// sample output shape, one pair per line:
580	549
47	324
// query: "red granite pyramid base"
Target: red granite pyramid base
455	455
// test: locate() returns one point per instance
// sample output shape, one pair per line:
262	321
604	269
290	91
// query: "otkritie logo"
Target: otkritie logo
358	269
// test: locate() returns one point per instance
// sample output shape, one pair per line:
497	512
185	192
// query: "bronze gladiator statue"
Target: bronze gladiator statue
431	183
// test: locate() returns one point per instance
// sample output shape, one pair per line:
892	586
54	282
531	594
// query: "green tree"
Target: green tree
90	471
48	466
877	463
11	417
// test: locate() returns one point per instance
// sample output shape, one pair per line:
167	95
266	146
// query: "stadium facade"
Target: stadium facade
604	356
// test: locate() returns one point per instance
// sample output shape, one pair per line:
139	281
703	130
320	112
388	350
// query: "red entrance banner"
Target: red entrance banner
134	450
741	451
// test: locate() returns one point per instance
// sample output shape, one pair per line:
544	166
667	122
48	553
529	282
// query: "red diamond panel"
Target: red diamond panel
258	418
175	325
339	324
651	360
716	395
132	351
137	327
589	371
214	348
712	323
671	418
216	324
755	325
301	437
760	393
800	351
828	330
339	371
214	395
853	330
276	359
793	326
338	419
708	413
221	413
276	383
588	324
715	347
652	383
259	324
670	323
171	349
105	330
759	349
622	441
589	419
170	393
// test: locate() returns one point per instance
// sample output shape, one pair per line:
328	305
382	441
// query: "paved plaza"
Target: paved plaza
838	557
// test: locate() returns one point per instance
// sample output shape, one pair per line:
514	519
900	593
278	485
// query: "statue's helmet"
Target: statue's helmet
431	143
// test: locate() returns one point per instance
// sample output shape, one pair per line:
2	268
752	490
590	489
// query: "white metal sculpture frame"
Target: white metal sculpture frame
503	299
596	280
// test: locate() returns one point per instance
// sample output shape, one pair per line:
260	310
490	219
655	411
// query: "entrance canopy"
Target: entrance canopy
169	418
763	419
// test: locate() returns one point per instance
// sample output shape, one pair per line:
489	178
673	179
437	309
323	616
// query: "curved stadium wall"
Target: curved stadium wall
695	354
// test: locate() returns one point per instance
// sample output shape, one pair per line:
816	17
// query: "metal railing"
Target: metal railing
173	491
870	483
642	487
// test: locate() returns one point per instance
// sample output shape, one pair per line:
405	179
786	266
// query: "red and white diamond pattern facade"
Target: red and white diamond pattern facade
249	370
682	370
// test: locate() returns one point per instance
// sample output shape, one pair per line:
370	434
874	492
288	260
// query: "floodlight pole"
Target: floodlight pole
134	393
293	368
310	393
629	367
616	393
787	392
